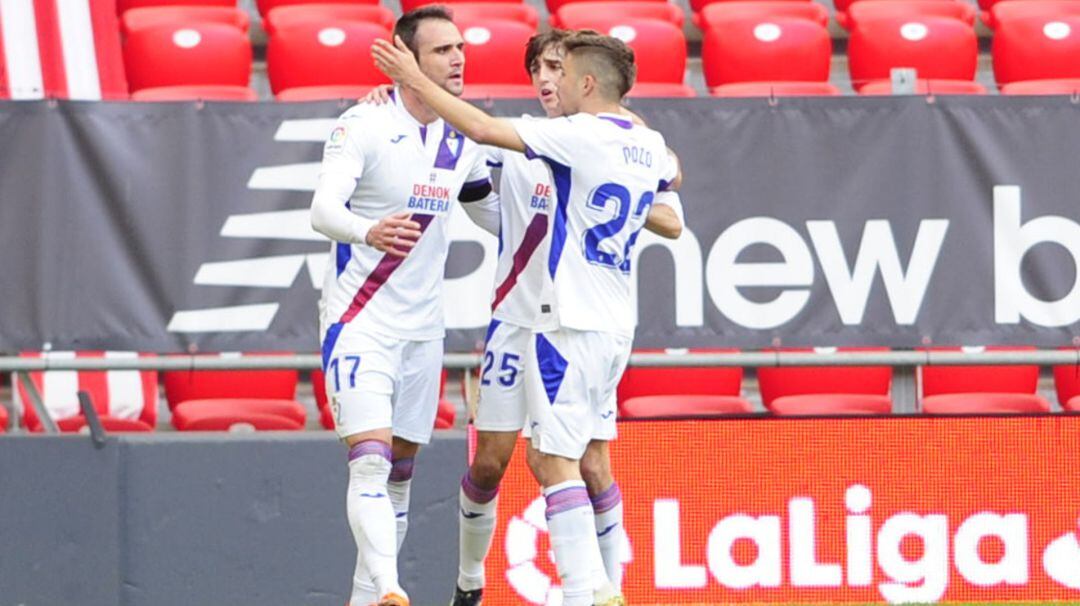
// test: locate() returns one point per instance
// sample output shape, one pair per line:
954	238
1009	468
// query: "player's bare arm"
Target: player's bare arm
664	222
397	62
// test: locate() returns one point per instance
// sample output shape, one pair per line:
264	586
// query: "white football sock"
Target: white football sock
371	515
610	532
476	525
573	539
400	486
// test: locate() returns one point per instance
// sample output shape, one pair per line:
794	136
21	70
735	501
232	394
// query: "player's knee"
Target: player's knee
487	470
369	461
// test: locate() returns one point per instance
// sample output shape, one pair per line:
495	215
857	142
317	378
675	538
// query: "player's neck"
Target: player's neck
596	105
417	108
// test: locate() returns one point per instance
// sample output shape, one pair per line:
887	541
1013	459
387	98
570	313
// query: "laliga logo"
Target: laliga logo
522	539
922	579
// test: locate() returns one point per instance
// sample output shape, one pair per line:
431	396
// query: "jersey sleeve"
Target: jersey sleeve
669	169
344	151
493	156
478	182
552	139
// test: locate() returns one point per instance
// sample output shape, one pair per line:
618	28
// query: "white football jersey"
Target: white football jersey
400	165
605	173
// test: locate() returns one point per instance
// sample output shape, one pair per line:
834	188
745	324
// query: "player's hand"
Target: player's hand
397	62
394	235
380	95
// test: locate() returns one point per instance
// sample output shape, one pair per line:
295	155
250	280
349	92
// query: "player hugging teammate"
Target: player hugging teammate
575	189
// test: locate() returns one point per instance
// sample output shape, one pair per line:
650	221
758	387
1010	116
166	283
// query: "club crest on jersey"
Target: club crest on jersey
433	199
450	148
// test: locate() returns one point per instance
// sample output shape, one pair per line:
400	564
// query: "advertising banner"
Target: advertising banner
824	510
901	222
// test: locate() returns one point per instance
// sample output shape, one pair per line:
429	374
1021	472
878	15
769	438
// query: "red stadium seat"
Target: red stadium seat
265	6
1067	384
287	16
325	93
1037	48
141	18
578	15
234	393
444	418
699	6
1019	9
927	87
187	54
109	424
3	418
719	12
775	89
196	93
877	9
241	422
816	390
119	394
408	5
661	89
939	48
971	389
495	58
554	6
659	50
123	6
471	12
681	390
1062	86
317	54
766	49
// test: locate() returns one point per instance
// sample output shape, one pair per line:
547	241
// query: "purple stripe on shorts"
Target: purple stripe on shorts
402	469
369	447
476	494
607	500
565	500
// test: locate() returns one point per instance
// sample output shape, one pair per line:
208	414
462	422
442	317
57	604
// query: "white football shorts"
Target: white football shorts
570	382
375	381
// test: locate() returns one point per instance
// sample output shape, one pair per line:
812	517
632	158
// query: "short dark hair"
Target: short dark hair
539	43
608	59
407	25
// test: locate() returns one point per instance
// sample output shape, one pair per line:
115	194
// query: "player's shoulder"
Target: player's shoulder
364	111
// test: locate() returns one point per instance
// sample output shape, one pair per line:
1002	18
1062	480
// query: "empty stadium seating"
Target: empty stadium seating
877	9
123	6
266	6
215	400
1067	385
766	49
127	396
141	18
287	16
495	58
3	418
188	54
554	6
927	87
471	12
1019	9
578	15
732	10
1061	86
1037	47
822	390
938	48
681	391
335	57
981	389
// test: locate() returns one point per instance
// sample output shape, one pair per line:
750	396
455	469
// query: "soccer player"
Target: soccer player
606	172
390	176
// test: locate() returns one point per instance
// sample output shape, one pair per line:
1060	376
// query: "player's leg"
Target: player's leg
607	508
416	403
499	418
359	376
558	393
596	469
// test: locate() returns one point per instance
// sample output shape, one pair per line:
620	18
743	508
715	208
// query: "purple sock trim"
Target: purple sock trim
607	500
402	470
368	447
477	495
565	500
